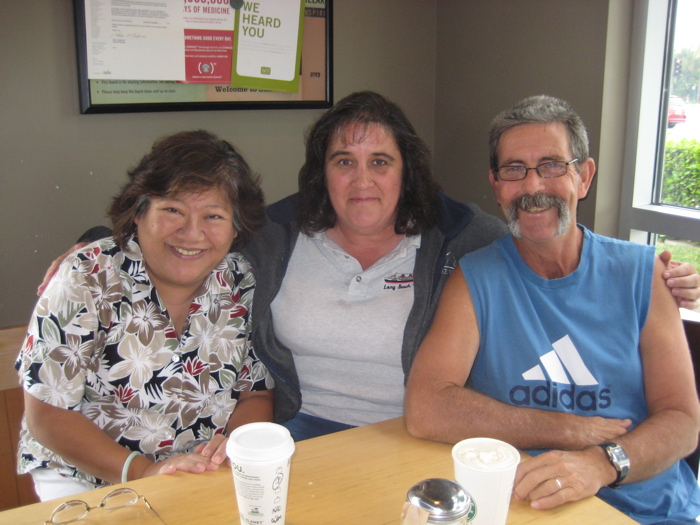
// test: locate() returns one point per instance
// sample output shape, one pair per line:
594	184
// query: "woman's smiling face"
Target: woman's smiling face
185	237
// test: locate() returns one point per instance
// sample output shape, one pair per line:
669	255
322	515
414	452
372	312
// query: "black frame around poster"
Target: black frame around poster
88	104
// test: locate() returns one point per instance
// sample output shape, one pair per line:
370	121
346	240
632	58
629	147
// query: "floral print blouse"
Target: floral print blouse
100	342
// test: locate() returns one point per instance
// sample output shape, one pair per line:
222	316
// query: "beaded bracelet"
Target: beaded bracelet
129	459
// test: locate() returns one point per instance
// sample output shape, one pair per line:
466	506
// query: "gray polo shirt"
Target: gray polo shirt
345	328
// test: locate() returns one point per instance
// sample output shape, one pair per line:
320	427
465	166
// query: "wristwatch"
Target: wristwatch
619	459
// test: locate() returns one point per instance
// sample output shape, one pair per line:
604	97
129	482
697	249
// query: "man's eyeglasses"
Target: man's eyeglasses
76	509
546	170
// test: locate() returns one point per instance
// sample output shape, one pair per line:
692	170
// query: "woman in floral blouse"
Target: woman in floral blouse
138	359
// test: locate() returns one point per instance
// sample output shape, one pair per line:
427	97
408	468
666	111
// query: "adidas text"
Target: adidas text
560	396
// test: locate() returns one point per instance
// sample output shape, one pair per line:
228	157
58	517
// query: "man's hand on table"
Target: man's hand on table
556	477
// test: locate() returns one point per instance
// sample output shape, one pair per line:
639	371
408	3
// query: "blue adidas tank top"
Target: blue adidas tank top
572	344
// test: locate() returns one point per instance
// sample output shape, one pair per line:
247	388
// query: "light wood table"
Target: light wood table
358	476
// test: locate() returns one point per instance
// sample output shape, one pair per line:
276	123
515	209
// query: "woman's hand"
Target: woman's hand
194	462
215	450
207	456
683	280
251	408
54	267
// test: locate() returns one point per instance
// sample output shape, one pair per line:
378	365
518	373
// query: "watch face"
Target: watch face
619	455
619	459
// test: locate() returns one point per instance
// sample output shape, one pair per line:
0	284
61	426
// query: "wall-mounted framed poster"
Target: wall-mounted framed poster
193	55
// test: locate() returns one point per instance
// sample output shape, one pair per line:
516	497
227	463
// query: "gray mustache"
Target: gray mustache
528	202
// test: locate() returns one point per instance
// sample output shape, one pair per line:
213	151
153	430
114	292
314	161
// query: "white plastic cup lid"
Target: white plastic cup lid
260	442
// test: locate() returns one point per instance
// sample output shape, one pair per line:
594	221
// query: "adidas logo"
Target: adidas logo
563	358
562	366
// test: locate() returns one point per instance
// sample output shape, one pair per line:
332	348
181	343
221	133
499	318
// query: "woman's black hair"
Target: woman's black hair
418	205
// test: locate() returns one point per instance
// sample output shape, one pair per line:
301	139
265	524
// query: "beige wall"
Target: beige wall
59	168
451	64
492	54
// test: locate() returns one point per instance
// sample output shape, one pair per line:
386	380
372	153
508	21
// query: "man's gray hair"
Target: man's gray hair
540	109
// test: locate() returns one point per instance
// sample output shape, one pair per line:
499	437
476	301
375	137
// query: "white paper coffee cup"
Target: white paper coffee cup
261	455
485	468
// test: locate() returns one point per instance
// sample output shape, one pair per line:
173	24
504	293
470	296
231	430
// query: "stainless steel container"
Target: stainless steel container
446	501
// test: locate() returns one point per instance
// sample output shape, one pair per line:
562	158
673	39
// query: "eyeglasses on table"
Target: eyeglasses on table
75	509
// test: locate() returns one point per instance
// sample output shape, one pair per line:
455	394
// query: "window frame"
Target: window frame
650	63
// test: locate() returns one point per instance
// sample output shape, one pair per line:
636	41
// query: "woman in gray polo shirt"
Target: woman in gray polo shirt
350	269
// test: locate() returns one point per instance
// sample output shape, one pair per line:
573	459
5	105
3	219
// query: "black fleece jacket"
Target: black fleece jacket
463	228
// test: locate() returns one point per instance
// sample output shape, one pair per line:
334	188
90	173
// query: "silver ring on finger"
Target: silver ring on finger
558	483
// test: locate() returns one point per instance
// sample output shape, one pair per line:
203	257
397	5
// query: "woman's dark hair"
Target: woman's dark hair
418	205
190	162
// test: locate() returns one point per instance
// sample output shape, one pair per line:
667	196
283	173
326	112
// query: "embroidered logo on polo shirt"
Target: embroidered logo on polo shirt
398	281
561	366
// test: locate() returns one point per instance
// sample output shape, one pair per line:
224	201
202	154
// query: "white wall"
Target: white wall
492	54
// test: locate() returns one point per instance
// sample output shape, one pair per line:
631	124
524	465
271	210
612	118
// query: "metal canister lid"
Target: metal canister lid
445	500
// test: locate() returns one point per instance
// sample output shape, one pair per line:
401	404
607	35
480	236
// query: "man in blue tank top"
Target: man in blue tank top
562	342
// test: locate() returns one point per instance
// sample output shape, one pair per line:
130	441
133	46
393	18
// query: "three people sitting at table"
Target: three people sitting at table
555	338
350	270
139	355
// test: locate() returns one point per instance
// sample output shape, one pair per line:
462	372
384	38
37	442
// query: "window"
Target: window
661	182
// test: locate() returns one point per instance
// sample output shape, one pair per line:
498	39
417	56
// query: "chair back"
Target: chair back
692	332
